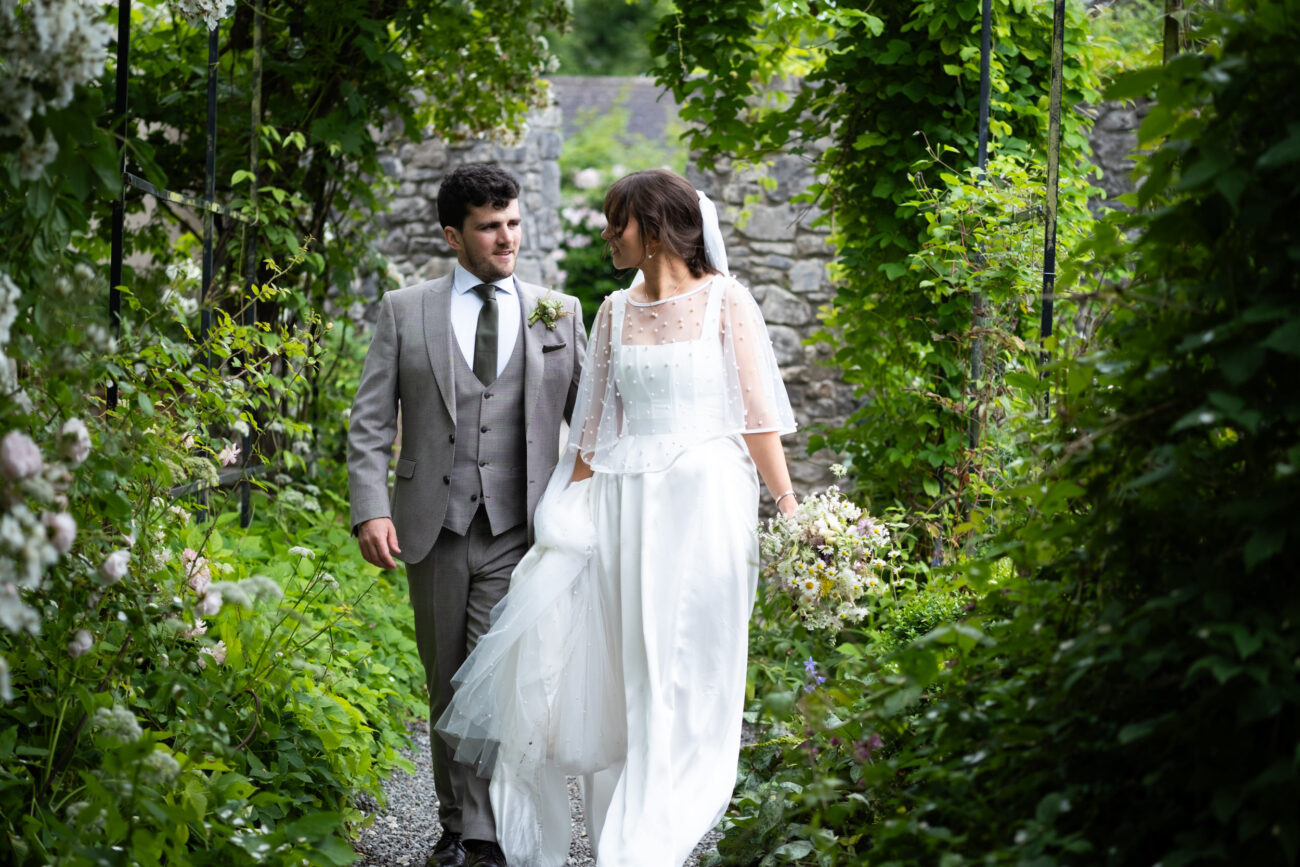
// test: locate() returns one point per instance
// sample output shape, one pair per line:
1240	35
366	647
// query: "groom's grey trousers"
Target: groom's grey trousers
453	591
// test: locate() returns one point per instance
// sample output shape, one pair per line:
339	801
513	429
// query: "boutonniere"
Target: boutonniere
548	311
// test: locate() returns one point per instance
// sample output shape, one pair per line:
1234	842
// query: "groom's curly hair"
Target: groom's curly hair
472	186
667	208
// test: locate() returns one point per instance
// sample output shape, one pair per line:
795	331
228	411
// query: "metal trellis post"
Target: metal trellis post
982	160
1053	176
250	247
119	206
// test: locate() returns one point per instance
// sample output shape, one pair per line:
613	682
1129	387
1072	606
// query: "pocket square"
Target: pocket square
551	347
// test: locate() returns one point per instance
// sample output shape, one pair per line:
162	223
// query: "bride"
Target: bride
619	653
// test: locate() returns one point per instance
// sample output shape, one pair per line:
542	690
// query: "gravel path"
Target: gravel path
405	831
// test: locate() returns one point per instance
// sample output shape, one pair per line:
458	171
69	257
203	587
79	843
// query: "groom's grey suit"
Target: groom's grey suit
465	463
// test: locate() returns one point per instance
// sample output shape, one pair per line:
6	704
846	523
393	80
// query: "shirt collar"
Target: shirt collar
462	281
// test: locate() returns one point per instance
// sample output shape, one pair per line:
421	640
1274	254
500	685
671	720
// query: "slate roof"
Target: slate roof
651	108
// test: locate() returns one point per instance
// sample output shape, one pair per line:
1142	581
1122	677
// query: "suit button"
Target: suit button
486	395
473	498
446	480
482	463
484	429
451	438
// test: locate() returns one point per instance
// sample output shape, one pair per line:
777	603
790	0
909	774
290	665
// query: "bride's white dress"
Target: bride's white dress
619	653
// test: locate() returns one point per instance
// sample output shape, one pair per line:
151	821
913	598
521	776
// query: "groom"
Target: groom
482	385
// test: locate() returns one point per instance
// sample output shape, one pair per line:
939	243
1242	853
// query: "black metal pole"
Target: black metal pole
982	160
1053	174
250	246
210	193
119	207
986	51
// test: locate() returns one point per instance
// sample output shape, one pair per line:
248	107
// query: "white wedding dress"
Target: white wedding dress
619	654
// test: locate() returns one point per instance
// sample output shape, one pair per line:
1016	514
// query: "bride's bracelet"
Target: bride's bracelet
777	501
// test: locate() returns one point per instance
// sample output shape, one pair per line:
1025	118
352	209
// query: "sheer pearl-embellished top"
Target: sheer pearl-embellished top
665	375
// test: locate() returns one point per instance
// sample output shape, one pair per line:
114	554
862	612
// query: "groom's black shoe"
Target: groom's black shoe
449	852
484	853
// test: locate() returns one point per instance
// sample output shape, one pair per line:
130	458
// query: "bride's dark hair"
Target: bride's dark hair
667	209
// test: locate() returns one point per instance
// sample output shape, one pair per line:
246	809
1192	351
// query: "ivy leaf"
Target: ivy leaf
1263	544
1285	338
1284	152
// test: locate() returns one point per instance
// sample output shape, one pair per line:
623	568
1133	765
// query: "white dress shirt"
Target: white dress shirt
466	305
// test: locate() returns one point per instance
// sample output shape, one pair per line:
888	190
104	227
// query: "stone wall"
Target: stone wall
1113	139
411	236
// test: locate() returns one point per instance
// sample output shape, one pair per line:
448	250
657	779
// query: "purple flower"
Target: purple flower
867	746
810	665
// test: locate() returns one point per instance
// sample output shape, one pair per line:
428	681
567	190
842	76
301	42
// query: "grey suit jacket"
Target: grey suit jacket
409	365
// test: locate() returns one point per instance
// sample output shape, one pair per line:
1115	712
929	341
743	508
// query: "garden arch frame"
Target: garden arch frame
208	205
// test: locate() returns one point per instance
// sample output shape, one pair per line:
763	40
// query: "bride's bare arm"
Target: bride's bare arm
580	469
769	457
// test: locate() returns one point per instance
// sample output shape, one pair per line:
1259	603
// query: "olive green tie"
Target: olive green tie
485	337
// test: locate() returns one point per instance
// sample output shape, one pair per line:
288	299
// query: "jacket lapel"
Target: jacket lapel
529	295
439	341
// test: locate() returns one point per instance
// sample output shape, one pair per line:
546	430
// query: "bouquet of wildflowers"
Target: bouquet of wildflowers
831	560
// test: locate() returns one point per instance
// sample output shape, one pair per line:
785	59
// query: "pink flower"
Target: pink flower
20	457
197	574
197	629
76	441
62	530
209	605
229	455
113	569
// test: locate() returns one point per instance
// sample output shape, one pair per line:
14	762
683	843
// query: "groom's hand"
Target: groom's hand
378	540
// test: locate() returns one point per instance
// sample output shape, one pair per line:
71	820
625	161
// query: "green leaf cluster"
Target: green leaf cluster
1118	686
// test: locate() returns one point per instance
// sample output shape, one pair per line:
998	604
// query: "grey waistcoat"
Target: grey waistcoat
490	464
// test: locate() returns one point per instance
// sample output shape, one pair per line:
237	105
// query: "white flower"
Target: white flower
159	767
587	179
244	593
81	642
216	651
196	630
20	457
240	427
62	530
206	12
300	551
75	446
16	615
117	723
113	569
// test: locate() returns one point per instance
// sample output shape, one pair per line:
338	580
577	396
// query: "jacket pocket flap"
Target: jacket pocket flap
405	468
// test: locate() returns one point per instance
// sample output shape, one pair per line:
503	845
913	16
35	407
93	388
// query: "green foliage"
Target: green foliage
173	706
599	153
1119	685
608	38
129	732
894	90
